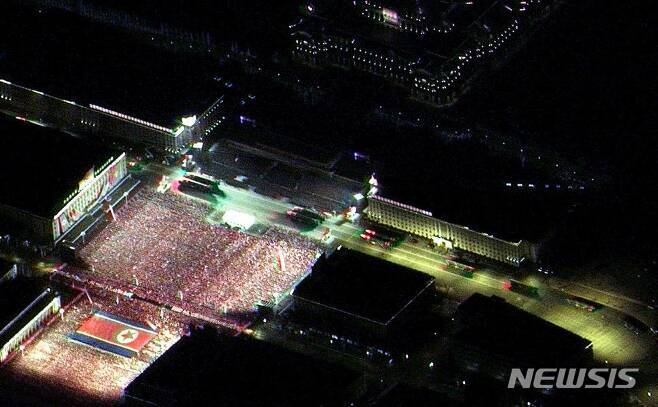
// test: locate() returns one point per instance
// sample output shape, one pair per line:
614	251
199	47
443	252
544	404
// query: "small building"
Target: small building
495	336
359	296
25	306
50	179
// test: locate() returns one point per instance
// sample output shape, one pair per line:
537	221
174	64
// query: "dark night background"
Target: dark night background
582	90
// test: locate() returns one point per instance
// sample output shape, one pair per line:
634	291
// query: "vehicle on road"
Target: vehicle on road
584	303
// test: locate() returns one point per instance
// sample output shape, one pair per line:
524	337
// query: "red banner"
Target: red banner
114	332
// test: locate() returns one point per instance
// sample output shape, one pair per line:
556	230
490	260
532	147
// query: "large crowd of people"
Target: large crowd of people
161	248
82	375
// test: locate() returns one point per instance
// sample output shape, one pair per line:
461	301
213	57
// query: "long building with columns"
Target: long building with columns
421	223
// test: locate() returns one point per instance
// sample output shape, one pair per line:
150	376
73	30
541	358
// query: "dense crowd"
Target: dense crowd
161	248
82	375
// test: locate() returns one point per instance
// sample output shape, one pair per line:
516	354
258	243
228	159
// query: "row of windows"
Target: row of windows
462	238
393	68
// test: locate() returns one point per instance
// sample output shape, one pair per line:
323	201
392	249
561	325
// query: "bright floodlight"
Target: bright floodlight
239	219
189	121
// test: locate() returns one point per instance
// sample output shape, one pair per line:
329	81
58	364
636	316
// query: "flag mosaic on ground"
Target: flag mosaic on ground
113	334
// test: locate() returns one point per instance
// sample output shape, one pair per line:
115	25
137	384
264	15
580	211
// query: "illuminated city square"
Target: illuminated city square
162	249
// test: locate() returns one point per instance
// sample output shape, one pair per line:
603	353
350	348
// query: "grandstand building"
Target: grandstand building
421	223
276	173
24	308
51	180
350	294
77	79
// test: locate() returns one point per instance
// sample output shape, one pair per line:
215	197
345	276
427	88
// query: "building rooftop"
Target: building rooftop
209	367
497	327
384	40
42	166
77	59
451	22
362	285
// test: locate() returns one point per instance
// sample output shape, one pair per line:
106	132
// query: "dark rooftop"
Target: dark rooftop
42	166
76	59
208	368
497	327
362	285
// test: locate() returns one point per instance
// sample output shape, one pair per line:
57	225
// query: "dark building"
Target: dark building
50	179
208	368
495	336
434	49
361	297
89	78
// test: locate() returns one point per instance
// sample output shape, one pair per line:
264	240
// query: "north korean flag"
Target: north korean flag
113	334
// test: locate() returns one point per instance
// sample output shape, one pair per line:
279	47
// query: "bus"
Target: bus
521	288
